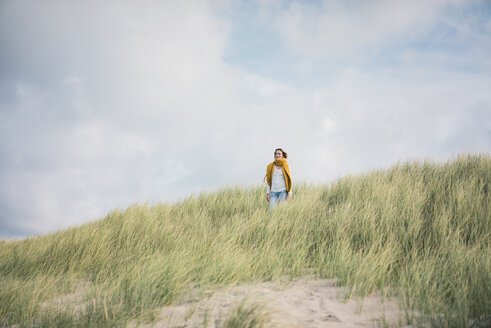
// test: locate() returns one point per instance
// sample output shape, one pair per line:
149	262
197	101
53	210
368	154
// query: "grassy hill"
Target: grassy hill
420	231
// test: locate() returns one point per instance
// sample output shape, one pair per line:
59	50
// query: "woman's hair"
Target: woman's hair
285	155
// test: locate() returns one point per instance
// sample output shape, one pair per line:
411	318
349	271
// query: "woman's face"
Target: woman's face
278	154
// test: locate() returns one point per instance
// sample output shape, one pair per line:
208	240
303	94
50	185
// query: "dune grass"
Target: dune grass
246	315
420	231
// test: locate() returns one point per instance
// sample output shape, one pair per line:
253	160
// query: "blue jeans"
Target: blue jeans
276	197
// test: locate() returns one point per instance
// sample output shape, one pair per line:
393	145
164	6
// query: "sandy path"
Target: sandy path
301	303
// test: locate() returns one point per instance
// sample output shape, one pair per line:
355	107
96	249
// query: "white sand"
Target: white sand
301	303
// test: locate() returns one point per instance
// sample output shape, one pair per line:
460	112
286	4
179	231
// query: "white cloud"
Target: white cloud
103	104
338	28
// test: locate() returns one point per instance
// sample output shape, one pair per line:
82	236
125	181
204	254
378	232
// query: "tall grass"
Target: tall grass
419	230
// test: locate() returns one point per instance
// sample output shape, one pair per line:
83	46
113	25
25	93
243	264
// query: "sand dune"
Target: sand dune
300	303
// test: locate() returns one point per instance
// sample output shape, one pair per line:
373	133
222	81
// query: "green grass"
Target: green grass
420	231
246	315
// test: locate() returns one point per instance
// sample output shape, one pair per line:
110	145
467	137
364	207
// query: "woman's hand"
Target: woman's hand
289	197
268	196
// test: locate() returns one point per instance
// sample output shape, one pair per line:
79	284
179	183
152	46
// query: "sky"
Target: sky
106	104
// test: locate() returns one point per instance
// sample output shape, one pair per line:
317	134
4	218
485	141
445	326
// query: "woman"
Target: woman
279	179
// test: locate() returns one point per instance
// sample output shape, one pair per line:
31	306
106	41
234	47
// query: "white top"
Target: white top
278	182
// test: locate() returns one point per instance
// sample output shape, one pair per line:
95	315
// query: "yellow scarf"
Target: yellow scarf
286	172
